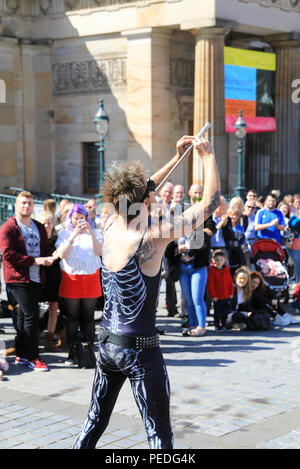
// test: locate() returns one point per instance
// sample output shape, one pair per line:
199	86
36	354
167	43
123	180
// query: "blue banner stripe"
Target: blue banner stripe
240	83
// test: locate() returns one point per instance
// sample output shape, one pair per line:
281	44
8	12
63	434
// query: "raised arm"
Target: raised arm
181	147
195	216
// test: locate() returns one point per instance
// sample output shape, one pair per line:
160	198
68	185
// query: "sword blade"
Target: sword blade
199	135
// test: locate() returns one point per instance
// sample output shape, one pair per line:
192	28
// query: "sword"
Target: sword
199	135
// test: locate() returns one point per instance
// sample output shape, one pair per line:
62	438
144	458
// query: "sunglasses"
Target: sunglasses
250	206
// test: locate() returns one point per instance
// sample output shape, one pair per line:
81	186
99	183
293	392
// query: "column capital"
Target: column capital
147	32
209	28
283	40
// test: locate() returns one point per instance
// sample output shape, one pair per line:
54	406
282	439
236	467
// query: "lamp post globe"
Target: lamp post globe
240	132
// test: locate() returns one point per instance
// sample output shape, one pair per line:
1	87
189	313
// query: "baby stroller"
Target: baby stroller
269	259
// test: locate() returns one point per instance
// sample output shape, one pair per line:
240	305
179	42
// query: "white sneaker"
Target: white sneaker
293	320
281	320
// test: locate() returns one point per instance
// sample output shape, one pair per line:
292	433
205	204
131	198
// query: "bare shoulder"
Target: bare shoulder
118	248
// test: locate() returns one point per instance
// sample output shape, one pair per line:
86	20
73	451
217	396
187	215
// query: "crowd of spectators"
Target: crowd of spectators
212	276
56	260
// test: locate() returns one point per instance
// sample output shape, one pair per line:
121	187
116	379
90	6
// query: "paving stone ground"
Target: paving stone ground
229	390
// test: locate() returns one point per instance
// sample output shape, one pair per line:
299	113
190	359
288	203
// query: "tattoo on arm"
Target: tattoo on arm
214	203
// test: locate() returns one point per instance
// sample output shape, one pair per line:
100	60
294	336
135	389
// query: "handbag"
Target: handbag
84	353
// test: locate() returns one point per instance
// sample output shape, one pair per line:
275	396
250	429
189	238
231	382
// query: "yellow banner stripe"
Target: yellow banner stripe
249	58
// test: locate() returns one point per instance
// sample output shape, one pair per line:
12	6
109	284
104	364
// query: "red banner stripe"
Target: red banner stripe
254	124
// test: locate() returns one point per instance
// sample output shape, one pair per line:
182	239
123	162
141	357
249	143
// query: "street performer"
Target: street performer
133	246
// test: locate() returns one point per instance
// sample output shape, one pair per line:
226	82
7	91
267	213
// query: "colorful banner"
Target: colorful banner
249	86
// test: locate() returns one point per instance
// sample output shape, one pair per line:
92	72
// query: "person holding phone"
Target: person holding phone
78	247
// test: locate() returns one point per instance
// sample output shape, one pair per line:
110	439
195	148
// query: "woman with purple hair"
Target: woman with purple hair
78	246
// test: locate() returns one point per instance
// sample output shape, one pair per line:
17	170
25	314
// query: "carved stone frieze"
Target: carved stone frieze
88	76
286	5
12	6
70	4
45	6
182	72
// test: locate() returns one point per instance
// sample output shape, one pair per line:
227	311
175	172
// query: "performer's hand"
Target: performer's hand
182	144
204	148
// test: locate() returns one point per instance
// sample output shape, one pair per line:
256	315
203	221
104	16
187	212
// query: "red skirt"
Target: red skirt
80	286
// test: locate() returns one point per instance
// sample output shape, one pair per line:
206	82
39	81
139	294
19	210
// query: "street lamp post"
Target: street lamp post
101	121
240	126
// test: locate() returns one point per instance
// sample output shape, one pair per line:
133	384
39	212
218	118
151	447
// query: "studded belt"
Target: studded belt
127	341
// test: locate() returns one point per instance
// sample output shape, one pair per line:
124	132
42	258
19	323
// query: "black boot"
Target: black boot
72	359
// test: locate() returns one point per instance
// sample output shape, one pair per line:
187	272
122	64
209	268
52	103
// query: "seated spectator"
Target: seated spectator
240	305
220	288
264	300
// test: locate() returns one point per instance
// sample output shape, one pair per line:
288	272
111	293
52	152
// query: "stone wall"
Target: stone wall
82	72
25	130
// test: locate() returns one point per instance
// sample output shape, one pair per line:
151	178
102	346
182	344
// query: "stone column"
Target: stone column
285	158
148	97
37	128
209	104
11	168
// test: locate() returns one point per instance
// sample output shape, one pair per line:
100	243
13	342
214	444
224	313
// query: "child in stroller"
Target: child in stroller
269	259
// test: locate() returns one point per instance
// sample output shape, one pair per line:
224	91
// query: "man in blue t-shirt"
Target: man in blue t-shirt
269	221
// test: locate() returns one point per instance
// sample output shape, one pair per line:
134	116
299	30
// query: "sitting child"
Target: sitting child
220	288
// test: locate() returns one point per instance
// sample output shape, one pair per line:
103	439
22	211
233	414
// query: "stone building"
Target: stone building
159	67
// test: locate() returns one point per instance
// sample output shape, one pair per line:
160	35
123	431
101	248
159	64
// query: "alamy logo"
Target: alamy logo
296	93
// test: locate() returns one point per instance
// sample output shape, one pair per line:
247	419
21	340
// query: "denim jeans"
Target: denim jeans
295	255
193	284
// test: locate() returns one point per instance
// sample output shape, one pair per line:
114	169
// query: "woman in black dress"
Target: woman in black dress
51	286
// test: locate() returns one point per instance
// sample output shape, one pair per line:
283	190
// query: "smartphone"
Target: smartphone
80	221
